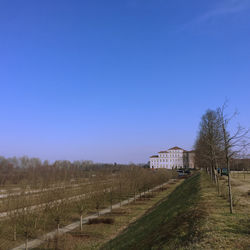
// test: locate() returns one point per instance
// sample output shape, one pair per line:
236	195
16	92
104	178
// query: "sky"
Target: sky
118	81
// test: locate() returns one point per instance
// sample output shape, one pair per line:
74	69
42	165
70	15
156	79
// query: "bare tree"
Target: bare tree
111	193
120	186
208	143
233	143
57	208
83	204
23	216
13	204
97	197
26	221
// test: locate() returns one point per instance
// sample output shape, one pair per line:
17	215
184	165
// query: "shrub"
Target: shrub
101	220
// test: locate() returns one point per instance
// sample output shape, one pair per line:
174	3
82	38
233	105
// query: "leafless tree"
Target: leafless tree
111	191
233	144
26	222
210	139
57	207
82	206
13	205
208	145
83	203
121	186
97	196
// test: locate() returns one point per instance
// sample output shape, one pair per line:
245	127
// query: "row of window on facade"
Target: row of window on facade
170	155
165	166
166	160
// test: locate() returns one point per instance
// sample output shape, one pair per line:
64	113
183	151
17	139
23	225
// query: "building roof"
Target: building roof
154	156
176	148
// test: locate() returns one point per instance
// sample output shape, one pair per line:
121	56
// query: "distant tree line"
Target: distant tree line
33	171
239	164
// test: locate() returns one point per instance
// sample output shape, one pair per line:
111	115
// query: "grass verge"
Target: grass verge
173	224
221	229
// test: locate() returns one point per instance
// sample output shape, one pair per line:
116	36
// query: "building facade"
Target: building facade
173	158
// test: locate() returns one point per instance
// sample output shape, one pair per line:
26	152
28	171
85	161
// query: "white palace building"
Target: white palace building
173	158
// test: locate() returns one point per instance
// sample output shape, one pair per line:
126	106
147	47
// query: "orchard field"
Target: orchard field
38	199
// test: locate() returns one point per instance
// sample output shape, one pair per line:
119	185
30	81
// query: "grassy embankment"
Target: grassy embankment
192	217
173	223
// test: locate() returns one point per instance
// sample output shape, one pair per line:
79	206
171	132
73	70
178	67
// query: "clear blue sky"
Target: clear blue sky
117	81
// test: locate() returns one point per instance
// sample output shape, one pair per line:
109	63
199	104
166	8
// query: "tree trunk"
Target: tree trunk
111	200
216	177
212	173
81	222
26	242
14	233
120	195
229	187
218	184
226	142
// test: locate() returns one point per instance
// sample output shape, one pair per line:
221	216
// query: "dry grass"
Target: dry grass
223	230
240	187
